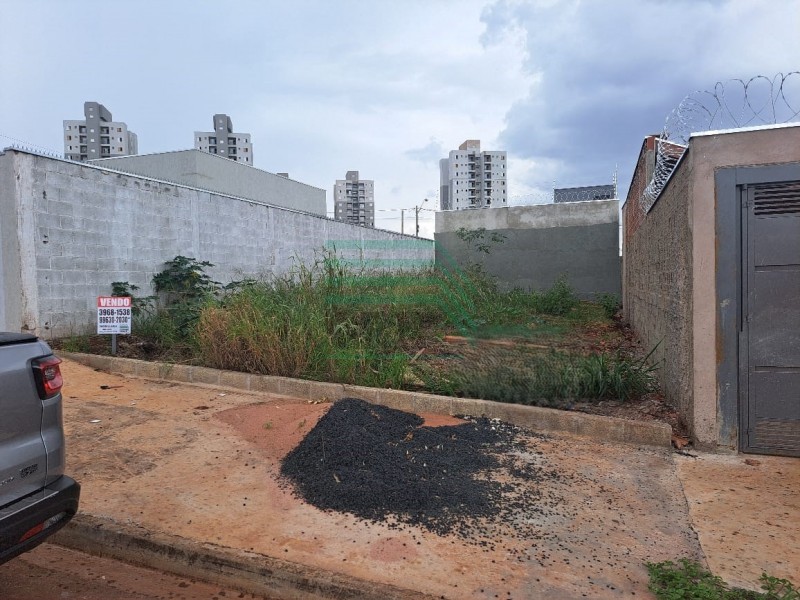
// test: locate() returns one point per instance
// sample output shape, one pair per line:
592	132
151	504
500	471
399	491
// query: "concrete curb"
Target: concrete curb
608	429
246	571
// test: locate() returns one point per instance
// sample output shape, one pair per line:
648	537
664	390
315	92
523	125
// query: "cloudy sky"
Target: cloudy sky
567	87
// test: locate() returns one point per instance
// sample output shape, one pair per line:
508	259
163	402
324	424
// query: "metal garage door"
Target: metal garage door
770	353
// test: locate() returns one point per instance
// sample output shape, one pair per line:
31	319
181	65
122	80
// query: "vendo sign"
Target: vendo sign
114	314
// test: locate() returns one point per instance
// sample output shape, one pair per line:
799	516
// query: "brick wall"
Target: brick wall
657	279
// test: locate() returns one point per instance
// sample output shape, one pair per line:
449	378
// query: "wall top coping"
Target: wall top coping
537	216
744	129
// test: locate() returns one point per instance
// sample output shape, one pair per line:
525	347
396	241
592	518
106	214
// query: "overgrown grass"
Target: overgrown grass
688	580
332	322
322	323
75	343
543	378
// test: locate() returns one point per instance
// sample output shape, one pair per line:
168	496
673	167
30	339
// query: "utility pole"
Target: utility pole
402	210
416	214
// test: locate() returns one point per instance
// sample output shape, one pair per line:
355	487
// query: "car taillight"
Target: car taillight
54	520
48	378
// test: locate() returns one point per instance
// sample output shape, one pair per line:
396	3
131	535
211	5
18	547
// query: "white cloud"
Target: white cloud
567	87
610	72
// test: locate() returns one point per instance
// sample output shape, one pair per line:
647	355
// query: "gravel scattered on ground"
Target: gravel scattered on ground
383	465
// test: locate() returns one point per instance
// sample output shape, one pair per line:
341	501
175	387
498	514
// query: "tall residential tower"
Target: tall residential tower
469	178
223	141
98	135
354	200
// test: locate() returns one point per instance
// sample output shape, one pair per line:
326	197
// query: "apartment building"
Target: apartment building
354	200
469	178
97	135
224	142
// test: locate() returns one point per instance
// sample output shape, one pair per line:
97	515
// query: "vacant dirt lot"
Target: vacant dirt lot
202	463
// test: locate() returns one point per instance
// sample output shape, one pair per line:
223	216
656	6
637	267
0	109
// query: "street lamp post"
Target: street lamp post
416	214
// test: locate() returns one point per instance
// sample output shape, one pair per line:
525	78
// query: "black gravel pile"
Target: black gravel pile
381	465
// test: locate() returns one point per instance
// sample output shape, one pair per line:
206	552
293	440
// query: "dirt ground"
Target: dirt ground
202	463
50	572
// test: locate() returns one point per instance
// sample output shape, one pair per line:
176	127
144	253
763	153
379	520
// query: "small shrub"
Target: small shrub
184	280
689	580
139	304
559	300
778	589
610	304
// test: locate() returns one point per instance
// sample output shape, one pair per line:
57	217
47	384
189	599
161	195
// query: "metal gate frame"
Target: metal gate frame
729	210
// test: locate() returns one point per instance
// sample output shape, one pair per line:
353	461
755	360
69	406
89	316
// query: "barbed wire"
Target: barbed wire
559	195
733	104
26	146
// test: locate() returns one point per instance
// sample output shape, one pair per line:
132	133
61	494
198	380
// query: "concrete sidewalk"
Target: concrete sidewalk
184	478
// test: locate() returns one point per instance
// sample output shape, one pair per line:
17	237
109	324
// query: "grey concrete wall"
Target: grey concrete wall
69	230
658	288
579	240
217	174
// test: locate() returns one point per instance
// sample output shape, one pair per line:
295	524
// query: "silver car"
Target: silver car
36	498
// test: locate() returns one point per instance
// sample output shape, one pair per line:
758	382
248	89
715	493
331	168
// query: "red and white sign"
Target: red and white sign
114	314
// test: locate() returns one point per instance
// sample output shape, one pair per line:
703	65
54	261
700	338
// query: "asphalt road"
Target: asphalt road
51	572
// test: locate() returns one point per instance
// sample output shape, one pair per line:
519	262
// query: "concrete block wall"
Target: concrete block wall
577	239
215	173
69	230
658	284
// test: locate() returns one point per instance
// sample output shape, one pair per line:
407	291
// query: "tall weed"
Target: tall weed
324	322
544	378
